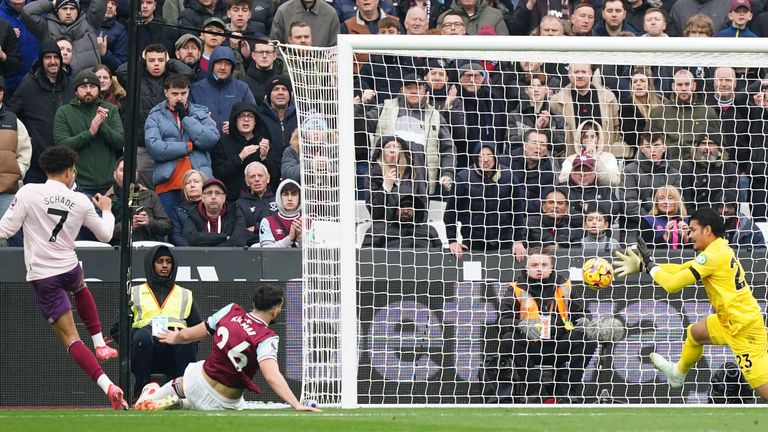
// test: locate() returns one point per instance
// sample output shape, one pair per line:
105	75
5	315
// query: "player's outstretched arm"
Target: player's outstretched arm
271	372
675	280
183	336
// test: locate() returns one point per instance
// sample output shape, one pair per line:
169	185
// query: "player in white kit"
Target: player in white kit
51	215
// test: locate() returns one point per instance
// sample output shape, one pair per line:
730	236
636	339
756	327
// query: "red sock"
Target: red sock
86	308
85	359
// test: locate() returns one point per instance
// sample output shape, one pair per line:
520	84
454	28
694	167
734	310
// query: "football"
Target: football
597	273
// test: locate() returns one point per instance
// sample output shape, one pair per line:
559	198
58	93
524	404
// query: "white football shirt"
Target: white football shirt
52	215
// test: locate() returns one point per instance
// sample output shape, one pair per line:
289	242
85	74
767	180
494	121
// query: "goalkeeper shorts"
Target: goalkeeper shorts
749	346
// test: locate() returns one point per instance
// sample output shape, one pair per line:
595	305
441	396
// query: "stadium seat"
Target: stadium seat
763	228
362	222
327	234
435	218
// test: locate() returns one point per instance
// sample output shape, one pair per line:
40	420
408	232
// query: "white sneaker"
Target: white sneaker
675	378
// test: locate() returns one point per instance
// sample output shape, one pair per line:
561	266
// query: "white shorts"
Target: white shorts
201	395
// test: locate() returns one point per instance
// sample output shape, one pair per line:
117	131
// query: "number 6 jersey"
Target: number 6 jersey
240	341
51	215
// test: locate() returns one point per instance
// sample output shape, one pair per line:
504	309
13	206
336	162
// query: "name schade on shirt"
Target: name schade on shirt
59	200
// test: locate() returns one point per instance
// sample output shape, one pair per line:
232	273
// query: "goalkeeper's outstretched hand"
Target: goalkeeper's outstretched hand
627	263
645	255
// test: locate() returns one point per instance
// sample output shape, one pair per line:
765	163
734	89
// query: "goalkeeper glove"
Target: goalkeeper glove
530	328
628	263
646	255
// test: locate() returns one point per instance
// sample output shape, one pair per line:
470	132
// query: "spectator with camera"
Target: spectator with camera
149	222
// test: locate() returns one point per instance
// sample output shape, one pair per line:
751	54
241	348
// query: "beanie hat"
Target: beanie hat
86	77
279	79
61	3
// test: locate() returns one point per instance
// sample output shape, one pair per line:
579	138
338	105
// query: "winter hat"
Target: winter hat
61	3
279	79
214	182
583	163
470	67
86	77
186	37
411	78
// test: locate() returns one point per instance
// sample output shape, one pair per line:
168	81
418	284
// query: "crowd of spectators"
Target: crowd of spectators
520	154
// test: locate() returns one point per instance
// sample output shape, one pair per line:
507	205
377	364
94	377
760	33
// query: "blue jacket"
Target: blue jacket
117	43
29	46
732	31
220	95
166	147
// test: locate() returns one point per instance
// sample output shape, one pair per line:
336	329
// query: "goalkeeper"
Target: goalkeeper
737	322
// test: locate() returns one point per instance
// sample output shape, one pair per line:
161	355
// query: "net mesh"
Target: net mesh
467	161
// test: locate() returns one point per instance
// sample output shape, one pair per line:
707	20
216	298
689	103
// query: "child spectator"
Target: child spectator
740	15
212	36
597	239
284	229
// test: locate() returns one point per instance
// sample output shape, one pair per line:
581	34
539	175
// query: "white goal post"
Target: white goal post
335	329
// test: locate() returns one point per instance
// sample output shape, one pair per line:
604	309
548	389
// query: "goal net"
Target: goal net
457	185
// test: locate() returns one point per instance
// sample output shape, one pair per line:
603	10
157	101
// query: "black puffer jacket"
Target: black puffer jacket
258	79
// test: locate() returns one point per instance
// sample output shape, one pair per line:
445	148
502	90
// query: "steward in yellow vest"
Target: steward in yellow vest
160	302
540	317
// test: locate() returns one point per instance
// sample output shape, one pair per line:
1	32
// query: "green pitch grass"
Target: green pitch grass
392	419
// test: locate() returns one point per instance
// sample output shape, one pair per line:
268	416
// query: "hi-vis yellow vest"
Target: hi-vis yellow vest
176	306
530	310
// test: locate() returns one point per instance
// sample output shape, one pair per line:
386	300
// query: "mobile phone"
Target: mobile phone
139	210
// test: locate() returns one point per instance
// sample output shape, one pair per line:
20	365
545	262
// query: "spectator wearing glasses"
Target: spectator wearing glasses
216	222
265	66
452	24
478	13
